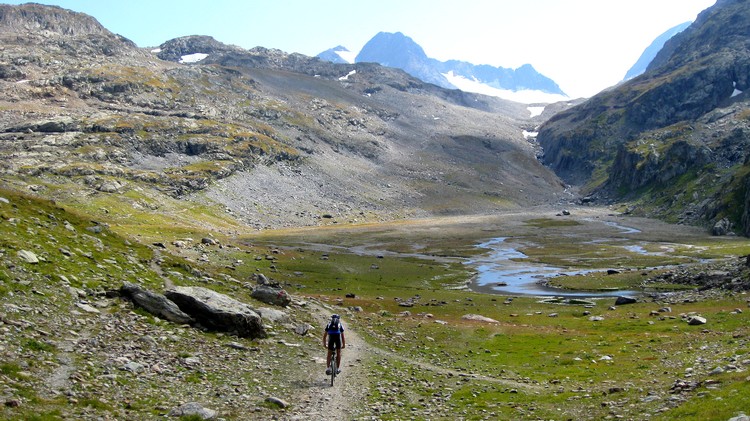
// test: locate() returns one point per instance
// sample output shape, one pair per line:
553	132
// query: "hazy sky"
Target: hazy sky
583	45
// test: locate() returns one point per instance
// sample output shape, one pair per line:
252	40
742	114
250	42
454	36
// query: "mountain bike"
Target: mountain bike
334	367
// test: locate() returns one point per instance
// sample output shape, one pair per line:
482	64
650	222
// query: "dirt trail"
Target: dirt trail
317	399
347	398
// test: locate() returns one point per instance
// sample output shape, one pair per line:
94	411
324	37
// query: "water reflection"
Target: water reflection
504	271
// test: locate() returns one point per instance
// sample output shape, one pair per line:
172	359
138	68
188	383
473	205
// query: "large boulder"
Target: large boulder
271	295
154	303
217	311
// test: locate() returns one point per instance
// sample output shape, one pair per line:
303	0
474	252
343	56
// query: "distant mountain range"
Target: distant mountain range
523	84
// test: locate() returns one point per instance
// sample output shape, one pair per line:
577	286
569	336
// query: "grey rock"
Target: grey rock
273	296
478	318
722	227
28	256
697	320
109	187
154	303
625	300
87	308
302	329
133	367
277	401
217	311
273	315
194	409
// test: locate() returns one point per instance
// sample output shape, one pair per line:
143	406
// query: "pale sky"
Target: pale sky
583	45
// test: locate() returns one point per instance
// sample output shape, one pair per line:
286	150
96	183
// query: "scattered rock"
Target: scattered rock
625	300
696	320
478	318
109	187
302	329
277	401
273	315
271	295
193	409
28	257
209	241
87	308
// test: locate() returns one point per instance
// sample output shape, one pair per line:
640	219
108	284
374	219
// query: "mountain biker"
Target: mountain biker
333	338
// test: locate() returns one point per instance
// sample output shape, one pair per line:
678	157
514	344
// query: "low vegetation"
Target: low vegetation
403	288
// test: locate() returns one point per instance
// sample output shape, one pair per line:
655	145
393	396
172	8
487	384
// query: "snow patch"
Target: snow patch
156	50
527	135
347	75
736	91
192	58
535	111
523	96
347	56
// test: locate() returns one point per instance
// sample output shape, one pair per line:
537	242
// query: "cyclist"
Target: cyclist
333	338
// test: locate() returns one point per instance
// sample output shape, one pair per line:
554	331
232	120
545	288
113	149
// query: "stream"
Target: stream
504	271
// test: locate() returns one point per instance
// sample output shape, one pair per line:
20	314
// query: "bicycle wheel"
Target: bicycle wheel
334	367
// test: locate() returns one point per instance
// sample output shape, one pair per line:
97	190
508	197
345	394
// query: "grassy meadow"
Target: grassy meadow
405	289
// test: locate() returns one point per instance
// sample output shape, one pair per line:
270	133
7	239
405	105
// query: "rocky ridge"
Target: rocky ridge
673	140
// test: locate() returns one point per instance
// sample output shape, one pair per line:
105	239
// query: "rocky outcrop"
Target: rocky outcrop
217	311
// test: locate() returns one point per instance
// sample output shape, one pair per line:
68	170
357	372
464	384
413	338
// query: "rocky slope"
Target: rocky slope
673	140
274	138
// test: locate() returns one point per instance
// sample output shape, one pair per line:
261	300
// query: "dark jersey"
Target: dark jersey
334	328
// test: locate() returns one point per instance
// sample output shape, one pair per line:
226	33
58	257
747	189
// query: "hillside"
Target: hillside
673	141
175	232
272	138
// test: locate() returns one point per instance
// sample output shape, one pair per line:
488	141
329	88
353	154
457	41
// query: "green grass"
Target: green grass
541	360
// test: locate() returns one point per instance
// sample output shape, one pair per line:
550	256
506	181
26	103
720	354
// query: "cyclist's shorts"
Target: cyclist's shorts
334	342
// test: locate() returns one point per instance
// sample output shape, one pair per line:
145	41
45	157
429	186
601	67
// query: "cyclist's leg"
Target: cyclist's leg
338	353
328	357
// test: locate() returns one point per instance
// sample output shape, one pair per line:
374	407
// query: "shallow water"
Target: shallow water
503	271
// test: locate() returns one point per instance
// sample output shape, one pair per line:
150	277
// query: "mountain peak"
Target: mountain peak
338	54
395	46
394	49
